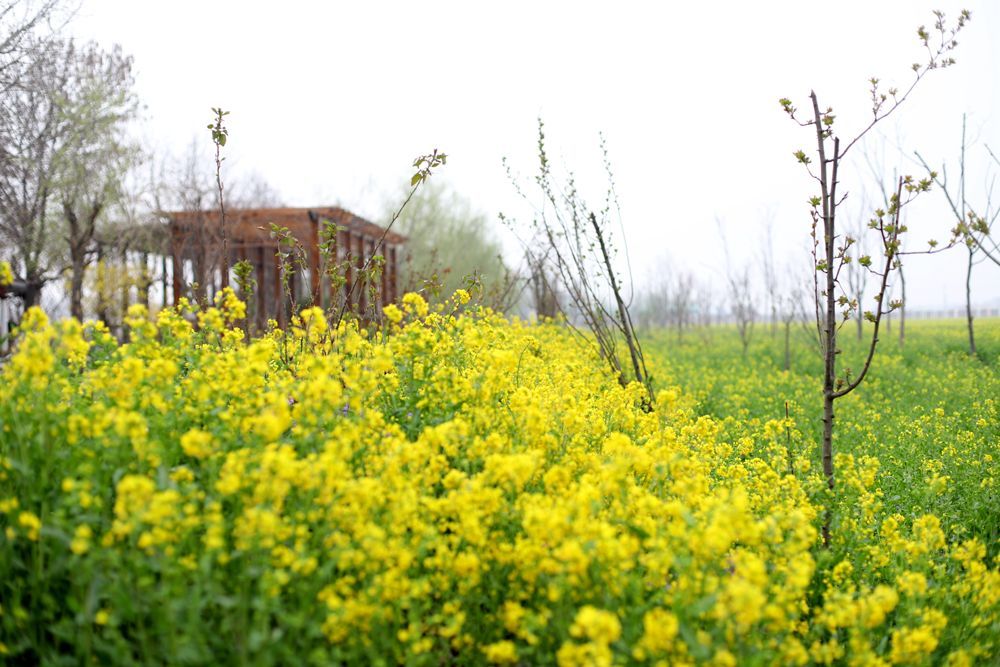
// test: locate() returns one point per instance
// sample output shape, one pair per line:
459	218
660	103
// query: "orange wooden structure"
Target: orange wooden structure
195	247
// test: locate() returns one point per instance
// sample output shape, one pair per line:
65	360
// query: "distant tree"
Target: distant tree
32	133
739	288
188	182
668	301
857	272
704	314
682	303
63	139
792	299
542	284
252	190
653	302
449	242
875	159
22	29
769	275
742	303
95	155
973	226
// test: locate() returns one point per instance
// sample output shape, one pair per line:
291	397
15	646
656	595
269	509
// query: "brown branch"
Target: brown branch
890	245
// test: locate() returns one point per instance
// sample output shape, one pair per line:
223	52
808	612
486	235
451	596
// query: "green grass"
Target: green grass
928	410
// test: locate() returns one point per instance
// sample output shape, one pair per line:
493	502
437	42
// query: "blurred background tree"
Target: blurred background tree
449	242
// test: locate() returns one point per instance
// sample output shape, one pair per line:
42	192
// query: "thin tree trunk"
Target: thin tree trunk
103	289
902	309
827	449
968	304
626	321
78	266
147	280
788	345
828	186
81	233
125	287
76	285
163	279
32	293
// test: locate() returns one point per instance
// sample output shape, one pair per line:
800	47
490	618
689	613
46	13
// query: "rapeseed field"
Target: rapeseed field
463	488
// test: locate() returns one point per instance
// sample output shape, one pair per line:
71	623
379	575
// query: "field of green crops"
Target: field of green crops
928	411
465	489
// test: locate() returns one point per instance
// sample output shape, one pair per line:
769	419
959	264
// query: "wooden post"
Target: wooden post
125	287
260	268
200	268
163	278
363	281
279	310
146	278
345	246
392	293
176	248
314	274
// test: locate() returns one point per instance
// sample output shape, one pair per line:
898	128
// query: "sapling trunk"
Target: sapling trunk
902	308
828	187
968	302
788	345
630	338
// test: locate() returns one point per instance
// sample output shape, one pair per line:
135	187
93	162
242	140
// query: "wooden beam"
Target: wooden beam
314	257
347	249
363	282
176	249
392	270
279	313
260	268
163	278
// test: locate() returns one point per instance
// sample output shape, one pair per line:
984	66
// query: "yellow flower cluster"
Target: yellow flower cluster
6	274
465	490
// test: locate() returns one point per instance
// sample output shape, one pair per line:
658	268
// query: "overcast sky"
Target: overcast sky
331	101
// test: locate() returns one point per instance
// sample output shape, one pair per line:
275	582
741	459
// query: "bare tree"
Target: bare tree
742	304
668	301
978	228
31	134
652	303
769	274
448	236
573	244
705	312
190	186
831	252
857	273
252	191
791	308
974	228
682	302
742	298
877	169
543	287
21	31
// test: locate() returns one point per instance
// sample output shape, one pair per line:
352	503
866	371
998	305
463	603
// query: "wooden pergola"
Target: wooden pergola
195	248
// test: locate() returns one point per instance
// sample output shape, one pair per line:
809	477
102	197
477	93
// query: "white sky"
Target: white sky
331	101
